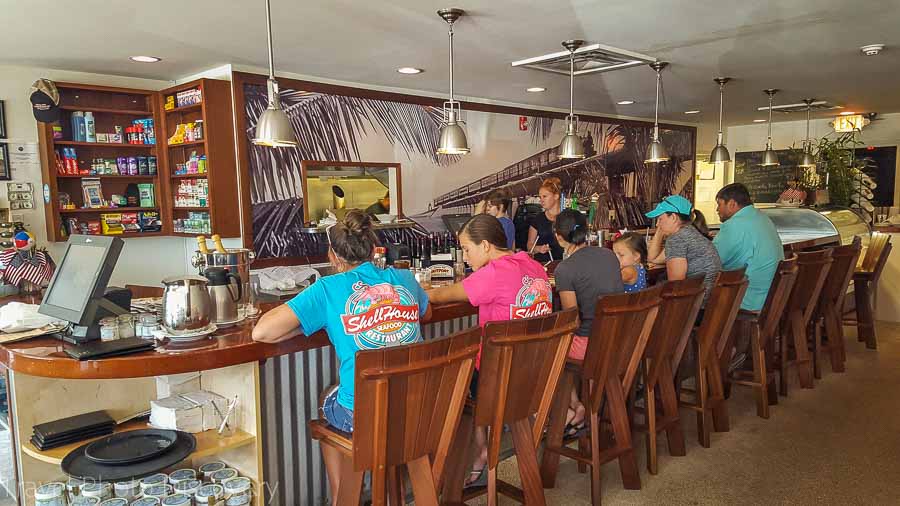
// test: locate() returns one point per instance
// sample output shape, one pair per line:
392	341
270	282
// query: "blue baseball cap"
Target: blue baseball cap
672	204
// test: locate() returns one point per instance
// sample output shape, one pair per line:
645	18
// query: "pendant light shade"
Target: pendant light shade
452	140
770	157
571	147
273	128
656	152
720	152
807	160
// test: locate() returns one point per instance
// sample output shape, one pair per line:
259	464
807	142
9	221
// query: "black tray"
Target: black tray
55	443
131	446
77	465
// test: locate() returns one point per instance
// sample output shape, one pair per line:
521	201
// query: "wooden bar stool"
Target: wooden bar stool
408	402
865	287
762	327
829	310
812	268
622	325
521	363
710	338
681	302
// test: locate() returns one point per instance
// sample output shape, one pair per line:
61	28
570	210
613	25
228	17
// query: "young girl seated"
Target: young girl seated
631	249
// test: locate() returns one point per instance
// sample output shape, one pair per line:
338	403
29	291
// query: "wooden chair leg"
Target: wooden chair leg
396	497
674	432
379	487
835	333
769	355
492	496
759	372
350	486
783	361
526	458
550	459
595	458
458	461
817	349
865	321
719	406
424	488
804	364
652	436
583	445
618	416
703	415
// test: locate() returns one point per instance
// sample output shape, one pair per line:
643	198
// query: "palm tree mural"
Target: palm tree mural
328	127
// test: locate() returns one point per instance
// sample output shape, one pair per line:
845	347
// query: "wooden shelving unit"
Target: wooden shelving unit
120	106
110	107
217	144
208	443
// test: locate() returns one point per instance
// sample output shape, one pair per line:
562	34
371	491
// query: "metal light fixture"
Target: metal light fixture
770	157
656	152
571	147
453	138
807	160
273	128
720	152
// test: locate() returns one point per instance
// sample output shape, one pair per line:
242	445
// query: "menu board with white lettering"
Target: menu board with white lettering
766	183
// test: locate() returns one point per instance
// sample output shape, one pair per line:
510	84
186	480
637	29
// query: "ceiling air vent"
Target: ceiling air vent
588	60
818	105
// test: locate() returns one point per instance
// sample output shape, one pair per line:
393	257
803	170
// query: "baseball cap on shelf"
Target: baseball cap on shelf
672	204
45	101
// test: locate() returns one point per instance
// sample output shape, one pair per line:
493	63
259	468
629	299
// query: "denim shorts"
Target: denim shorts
337	415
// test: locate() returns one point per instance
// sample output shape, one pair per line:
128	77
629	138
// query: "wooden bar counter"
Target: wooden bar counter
44	384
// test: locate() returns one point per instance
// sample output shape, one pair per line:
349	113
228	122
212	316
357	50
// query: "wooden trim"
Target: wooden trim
243	157
111	89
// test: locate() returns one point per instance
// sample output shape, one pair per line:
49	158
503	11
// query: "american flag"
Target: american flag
37	267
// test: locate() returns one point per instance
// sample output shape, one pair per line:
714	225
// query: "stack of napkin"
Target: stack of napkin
189	412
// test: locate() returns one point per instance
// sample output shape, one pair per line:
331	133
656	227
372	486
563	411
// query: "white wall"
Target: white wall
144	261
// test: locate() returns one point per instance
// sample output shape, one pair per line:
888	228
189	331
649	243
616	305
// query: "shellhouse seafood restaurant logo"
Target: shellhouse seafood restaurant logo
533	299
381	315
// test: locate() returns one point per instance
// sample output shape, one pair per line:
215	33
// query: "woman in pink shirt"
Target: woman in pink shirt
504	286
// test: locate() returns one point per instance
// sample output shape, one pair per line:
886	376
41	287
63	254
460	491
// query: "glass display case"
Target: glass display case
816	226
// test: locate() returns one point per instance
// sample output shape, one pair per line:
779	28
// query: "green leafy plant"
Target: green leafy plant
839	165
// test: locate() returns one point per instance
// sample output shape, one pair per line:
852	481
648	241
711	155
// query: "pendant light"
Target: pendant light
273	128
720	152
807	160
453	138
770	157
656	152
571	147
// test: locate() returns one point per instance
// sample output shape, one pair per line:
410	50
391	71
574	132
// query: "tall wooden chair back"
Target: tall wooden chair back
812	269
865	287
678	311
619	336
521	363
762	328
829	309
408	401
711	337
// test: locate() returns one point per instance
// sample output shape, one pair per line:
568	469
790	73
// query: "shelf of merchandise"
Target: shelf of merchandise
111	107
215	110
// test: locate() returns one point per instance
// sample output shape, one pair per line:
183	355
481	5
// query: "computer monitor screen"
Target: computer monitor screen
74	286
79	282
454	222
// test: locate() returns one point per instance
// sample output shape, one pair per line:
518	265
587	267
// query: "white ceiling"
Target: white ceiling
808	48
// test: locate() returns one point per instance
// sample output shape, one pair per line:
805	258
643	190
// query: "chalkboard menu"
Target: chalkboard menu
766	183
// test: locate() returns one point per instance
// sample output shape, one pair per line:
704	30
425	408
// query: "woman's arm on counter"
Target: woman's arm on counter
279	324
447	294
656	252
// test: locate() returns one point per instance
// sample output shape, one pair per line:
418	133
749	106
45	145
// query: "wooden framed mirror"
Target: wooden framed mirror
333	188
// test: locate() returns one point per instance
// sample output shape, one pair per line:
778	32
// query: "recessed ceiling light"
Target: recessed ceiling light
692	112
144	59
872	49
535	89
625	102
759	121
847	113
409	70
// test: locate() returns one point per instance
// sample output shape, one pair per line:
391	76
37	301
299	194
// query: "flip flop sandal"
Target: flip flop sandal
479	482
572	431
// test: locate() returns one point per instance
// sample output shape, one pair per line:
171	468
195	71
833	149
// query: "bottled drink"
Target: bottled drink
426	252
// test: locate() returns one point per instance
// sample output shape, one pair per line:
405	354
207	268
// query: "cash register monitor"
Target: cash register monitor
77	292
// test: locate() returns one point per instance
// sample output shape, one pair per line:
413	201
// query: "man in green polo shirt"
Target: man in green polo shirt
748	239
